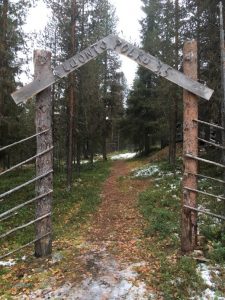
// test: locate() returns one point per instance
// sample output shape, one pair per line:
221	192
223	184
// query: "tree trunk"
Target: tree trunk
3	43
173	120
44	163
190	146
72	102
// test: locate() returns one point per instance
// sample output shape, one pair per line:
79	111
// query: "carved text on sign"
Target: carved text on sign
117	44
80	59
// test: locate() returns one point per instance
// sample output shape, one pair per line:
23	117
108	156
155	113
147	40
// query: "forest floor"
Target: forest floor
125	246
111	256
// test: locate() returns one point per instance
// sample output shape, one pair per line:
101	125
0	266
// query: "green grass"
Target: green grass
176	276
70	208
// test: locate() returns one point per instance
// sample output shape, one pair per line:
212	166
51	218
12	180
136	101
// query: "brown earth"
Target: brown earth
111	246
118	223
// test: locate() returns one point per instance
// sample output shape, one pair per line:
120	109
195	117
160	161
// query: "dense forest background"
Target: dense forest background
93	111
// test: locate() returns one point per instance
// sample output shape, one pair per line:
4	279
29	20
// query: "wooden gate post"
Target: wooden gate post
44	163
190	146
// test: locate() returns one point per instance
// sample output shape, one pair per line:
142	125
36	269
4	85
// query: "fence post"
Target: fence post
190	146
44	163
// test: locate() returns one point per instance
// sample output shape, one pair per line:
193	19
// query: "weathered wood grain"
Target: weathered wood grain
119	45
190	146
44	163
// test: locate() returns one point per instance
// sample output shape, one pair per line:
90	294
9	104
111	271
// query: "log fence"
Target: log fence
11	212
187	208
45	77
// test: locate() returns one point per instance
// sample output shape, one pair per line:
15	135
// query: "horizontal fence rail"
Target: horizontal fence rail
207	177
24	225
205	160
205	212
8	217
26	161
209	124
25	246
23	140
203	193
24	184
16	208
212	144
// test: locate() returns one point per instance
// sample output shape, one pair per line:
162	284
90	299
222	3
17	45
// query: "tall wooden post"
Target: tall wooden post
190	146
44	163
222	57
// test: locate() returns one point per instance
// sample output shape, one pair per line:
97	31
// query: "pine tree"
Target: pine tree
94	81
12	46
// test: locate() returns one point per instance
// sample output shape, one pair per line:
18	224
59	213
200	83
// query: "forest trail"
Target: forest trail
117	224
112	257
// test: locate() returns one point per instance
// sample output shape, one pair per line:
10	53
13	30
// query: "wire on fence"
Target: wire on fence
24	226
204	193
24	184
26	245
24	140
205	212
16	208
205	160
26	161
209	124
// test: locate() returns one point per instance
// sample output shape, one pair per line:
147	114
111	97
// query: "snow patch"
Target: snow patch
124	156
147	171
8	263
210	293
108	280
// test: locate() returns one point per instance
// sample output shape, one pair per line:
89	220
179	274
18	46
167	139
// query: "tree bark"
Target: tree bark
72	103
44	163
3	42
173	122
190	146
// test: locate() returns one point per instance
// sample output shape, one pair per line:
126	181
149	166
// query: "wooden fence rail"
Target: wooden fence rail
16	208
205	212
211	143
24	225
207	177
203	193
24	140
26	161
209	124
23	185
25	246
205	160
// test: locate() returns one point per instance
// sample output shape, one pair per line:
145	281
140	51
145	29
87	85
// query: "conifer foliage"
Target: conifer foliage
154	105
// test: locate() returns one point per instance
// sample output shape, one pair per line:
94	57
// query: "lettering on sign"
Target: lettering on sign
94	47
80	59
132	52
117	44
73	63
103	45
88	53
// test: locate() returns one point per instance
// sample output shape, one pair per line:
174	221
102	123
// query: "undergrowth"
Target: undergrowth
70	208
161	206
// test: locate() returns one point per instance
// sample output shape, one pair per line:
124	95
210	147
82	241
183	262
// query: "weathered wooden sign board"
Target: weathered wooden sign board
119	45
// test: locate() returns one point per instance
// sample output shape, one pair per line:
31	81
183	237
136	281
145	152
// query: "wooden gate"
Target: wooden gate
45	77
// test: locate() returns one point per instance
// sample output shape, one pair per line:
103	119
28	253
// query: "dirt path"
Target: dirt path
112	255
117	224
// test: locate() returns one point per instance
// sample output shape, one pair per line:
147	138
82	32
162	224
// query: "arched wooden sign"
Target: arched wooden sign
119	45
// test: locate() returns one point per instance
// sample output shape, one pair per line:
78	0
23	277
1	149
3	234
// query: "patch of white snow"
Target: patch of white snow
209	293
123	156
8	263
147	171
